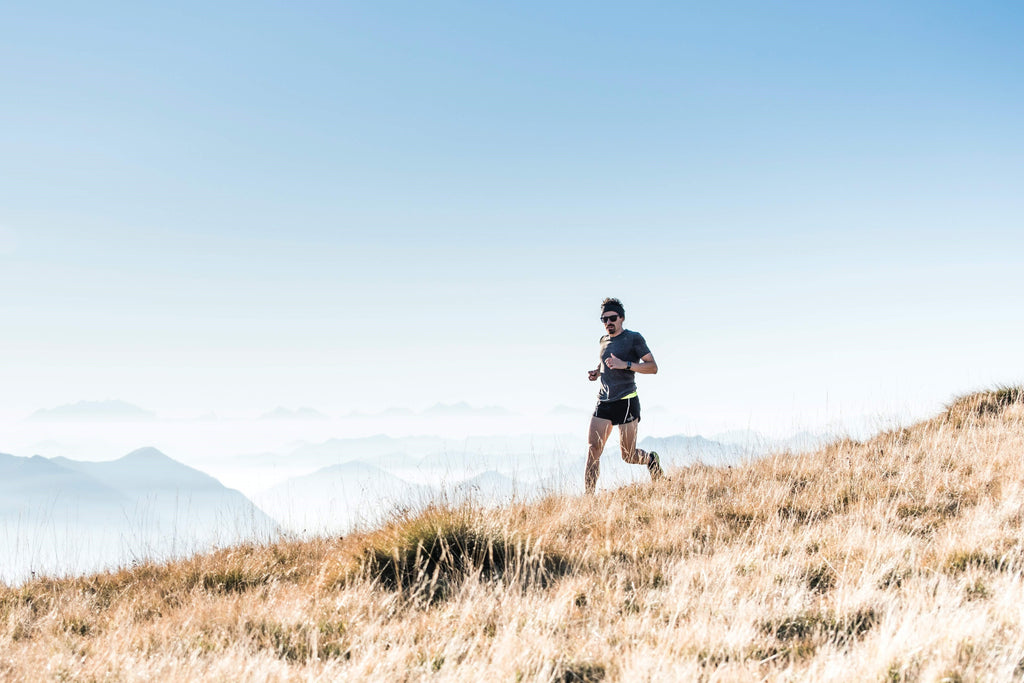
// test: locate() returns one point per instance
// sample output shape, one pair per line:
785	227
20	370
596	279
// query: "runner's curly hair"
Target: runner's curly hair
612	304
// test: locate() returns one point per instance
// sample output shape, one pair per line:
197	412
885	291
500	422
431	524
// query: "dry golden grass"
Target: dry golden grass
896	559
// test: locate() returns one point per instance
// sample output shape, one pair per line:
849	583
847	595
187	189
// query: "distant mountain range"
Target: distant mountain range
474	454
61	515
441	461
360	481
95	410
337	498
336	451
37	482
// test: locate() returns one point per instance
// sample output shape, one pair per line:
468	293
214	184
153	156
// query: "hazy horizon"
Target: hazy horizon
448	420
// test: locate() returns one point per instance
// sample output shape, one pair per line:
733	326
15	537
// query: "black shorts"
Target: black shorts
620	412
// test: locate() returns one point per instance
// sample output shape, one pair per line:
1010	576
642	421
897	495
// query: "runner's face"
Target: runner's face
613	327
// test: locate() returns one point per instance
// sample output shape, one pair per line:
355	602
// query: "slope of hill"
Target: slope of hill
899	558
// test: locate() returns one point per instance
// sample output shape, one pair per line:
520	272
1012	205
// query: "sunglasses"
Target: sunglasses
609	318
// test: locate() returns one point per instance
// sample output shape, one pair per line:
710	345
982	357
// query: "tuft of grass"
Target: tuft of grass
821	627
433	552
820	578
894	578
977	590
300	642
903	672
960	561
77	626
233	580
582	672
791	652
737	521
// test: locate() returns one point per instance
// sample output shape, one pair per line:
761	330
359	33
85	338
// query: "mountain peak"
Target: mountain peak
147	454
142	468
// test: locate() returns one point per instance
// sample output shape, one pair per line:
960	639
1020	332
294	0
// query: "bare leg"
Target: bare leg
627	442
599	431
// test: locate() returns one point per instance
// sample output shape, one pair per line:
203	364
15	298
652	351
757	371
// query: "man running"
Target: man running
623	354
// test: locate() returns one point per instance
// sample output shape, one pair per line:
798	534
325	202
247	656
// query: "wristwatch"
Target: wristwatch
629	364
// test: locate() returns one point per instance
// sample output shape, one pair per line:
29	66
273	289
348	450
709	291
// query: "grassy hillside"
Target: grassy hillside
895	559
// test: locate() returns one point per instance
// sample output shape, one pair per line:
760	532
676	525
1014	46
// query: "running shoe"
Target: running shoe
654	466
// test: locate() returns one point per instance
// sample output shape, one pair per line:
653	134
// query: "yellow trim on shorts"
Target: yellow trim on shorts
633	395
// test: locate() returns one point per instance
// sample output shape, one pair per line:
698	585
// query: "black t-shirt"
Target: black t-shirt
627	346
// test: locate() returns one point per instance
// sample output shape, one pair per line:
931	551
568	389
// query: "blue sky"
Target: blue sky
255	204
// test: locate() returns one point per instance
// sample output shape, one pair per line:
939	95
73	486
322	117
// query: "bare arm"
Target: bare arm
646	366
